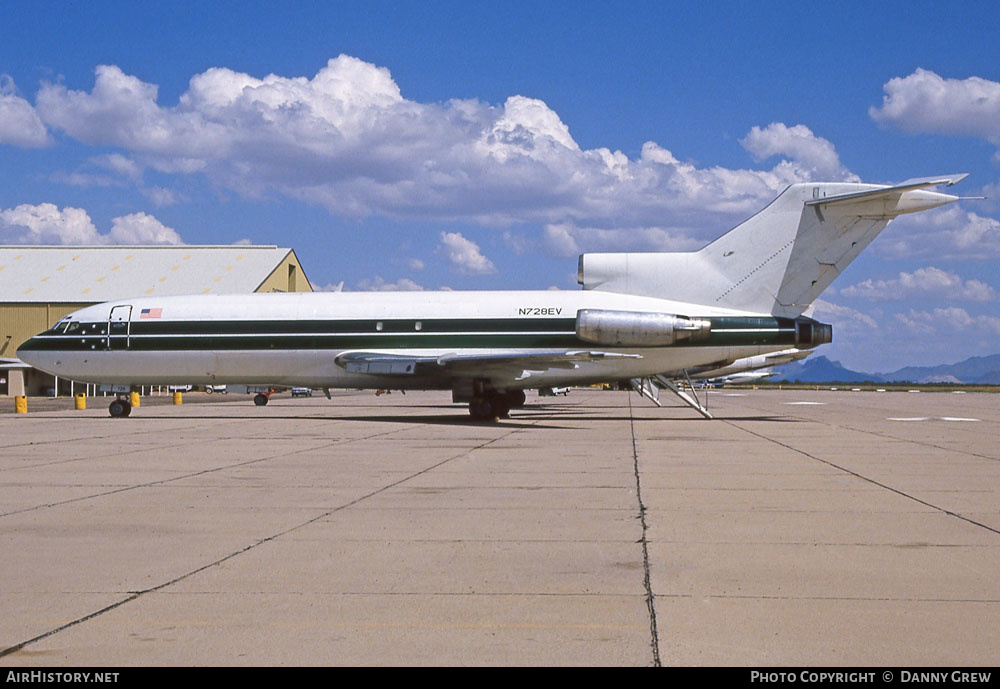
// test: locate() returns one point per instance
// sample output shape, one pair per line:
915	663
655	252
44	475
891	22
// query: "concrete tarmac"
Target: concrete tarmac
799	528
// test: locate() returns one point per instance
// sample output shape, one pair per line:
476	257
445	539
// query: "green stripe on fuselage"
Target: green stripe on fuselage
510	333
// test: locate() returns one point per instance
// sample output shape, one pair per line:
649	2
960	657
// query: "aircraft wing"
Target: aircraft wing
512	365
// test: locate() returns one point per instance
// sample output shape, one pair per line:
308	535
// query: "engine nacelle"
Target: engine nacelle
637	329
810	333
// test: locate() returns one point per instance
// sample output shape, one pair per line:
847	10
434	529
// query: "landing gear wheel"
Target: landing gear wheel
501	407
119	409
482	409
260	399
515	398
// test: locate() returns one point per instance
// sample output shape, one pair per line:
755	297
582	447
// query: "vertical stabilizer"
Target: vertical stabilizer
779	260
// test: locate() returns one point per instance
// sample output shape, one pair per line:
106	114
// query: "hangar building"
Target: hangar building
41	284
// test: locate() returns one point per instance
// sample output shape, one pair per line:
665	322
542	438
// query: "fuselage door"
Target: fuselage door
118	327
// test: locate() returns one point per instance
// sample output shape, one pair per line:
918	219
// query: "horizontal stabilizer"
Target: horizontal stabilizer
894	191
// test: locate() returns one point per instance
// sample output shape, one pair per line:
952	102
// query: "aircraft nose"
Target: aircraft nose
29	352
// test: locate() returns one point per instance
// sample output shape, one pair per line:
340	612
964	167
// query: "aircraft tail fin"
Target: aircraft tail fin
777	261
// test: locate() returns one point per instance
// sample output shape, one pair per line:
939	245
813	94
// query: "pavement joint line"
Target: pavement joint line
138	594
509	594
646	580
196	473
920	442
866	478
194	427
77	440
871	599
97	456
886	435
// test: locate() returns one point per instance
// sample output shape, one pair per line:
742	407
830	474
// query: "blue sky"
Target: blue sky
484	145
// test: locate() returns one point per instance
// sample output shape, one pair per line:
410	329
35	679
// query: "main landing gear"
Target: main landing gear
120	408
260	399
496	405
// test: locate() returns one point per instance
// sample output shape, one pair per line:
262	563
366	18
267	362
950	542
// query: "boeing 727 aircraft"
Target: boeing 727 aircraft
639	315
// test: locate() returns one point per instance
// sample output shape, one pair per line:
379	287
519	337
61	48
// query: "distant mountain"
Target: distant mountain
819	369
977	369
981	370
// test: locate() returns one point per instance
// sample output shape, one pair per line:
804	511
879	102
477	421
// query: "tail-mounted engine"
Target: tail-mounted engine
638	329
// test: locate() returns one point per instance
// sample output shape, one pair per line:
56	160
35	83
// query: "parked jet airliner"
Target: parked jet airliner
639	316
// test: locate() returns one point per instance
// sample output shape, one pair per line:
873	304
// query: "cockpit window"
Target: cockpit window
77	328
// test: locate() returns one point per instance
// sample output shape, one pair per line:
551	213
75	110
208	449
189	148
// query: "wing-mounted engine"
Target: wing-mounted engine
638	329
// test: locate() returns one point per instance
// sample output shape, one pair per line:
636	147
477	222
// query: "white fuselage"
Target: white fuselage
294	339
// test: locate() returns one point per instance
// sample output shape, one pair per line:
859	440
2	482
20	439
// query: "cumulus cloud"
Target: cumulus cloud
951	233
330	287
566	239
815	155
19	123
160	196
924	102
121	165
929	281
140	228
883	341
47	224
947	320
464	255
348	140
843	318
378	284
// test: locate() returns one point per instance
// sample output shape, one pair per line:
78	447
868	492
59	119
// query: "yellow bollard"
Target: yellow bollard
21	404
81	400
133	399
177	398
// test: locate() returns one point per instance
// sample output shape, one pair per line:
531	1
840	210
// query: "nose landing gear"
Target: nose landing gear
120	408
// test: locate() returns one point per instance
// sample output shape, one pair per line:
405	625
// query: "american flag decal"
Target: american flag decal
150	313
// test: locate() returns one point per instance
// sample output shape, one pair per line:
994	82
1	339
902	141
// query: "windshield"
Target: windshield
77	328
60	327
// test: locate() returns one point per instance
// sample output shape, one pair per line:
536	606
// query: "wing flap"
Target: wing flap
463	365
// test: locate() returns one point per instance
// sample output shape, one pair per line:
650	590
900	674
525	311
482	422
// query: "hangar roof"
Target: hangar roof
70	274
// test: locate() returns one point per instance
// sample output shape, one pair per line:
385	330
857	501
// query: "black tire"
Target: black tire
119	409
260	399
482	409
515	399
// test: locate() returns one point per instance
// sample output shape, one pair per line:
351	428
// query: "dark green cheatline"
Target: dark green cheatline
461	333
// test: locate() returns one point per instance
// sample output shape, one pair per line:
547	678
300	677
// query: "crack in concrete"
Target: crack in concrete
646	582
897	491
138	594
